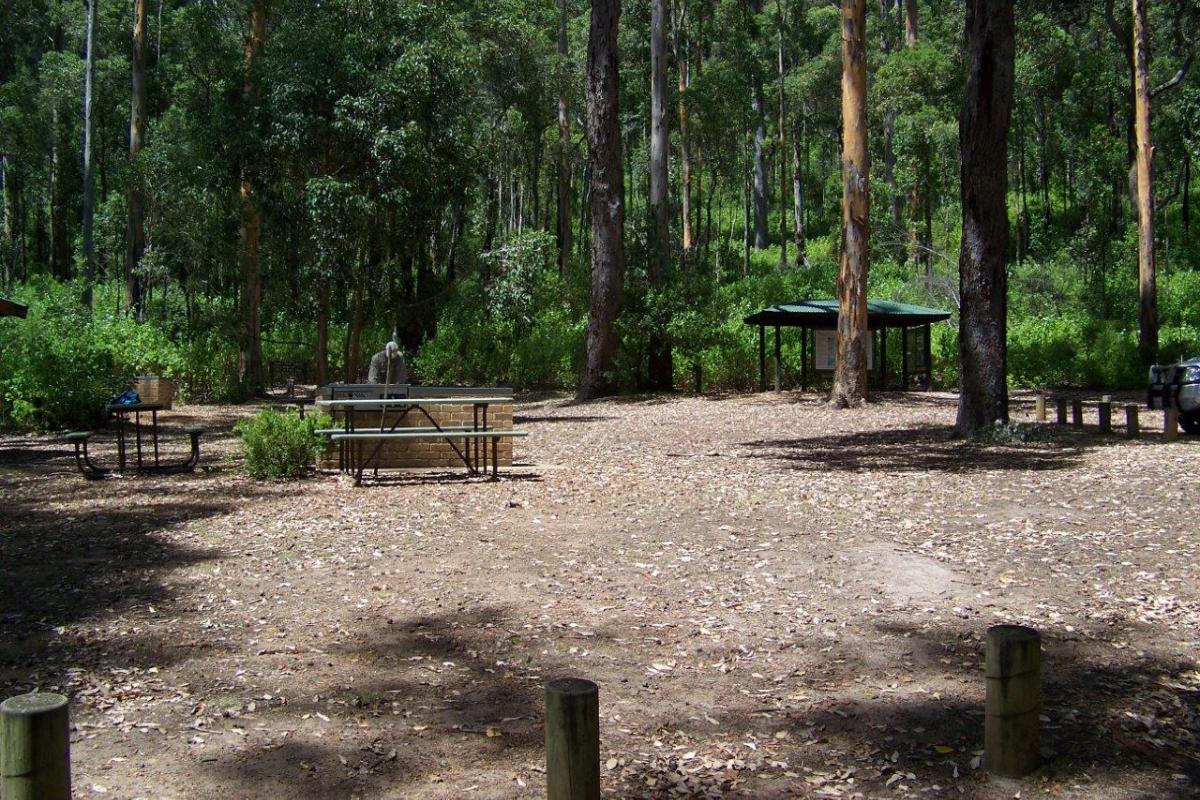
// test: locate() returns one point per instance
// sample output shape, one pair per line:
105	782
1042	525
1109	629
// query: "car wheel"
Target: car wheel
1190	423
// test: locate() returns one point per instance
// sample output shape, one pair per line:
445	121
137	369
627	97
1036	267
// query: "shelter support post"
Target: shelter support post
883	359
928	356
904	358
762	358
804	359
778	362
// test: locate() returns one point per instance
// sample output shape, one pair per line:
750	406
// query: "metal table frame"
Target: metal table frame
350	453
122	412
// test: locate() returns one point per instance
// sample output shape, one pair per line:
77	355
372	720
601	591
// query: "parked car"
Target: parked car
1178	386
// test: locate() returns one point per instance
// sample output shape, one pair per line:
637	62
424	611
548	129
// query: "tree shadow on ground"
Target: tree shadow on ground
85	555
441	694
883	728
929	448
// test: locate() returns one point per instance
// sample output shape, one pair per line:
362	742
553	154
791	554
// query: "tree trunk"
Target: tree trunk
9	228
60	249
250	372
607	190
983	283
491	212
782	147
14	220
798	197
760	173
685	149
322	365
1042	123
915	201
889	133
135	242
354	334
760	165
564	149
850	375
660	371
1187	192
1147	292
89	179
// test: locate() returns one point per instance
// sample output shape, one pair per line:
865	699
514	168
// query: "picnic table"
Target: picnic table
474	439
141	435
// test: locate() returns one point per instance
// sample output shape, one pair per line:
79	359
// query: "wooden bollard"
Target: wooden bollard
35	748
572	740
1077	413
1170	424
1013	703
1106	416
1060	407
1039	406
1131	421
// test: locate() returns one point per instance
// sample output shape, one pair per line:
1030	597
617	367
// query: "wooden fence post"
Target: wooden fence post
1077	413
35	748
1039	405
1131	421
572	740
1170	424
1060	407
1013	703
1106	415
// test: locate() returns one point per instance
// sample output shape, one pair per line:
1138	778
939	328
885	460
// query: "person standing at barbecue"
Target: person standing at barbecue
387	366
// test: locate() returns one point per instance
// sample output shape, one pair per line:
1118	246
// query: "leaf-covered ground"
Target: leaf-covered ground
776	599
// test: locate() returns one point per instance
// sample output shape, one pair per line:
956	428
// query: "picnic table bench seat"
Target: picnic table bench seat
86	467
93	472
413	429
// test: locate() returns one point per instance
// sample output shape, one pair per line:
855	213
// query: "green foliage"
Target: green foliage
281	444
512	324
54	373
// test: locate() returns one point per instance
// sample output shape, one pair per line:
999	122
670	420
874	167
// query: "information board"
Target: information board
825	350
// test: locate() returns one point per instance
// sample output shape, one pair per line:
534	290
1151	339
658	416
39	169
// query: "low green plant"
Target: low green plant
281	444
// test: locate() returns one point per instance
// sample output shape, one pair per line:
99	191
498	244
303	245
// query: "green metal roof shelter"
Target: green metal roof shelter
821	315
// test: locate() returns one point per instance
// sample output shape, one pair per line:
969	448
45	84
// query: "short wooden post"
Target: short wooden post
35	757
1170	424
1013	702
1106	415
1060	408
1131	421
572	740
1039	404
1077	413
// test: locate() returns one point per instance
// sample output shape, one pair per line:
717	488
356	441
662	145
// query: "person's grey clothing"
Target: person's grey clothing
379	372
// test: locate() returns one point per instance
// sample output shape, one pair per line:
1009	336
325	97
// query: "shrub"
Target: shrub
281	444
54	371
512	324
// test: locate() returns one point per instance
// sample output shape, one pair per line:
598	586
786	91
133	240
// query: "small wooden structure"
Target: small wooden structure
10	308
821	315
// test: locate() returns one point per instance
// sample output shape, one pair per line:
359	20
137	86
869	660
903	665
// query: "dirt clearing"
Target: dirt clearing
776	599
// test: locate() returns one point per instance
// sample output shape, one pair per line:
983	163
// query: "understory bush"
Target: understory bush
55	370
513	324
281	444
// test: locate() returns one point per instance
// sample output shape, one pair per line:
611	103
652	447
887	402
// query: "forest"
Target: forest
200	188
